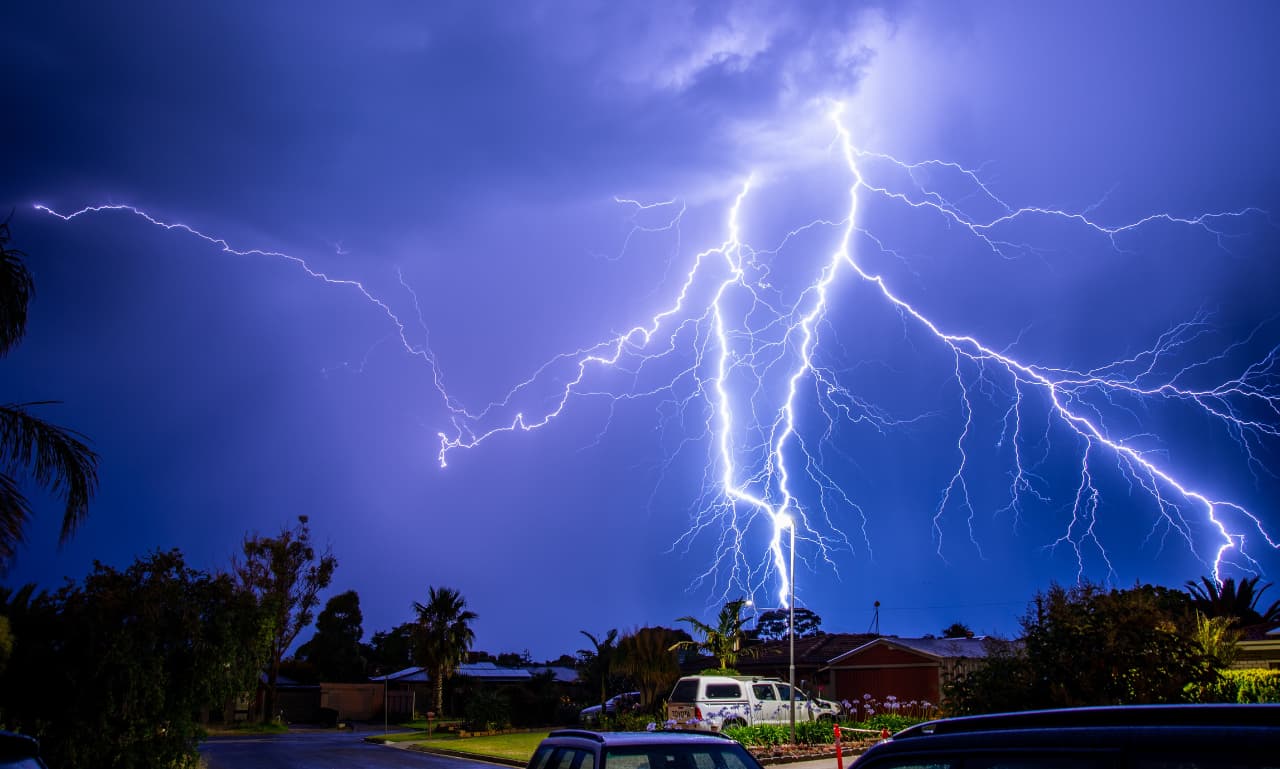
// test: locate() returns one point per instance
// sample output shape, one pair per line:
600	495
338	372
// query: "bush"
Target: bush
891	721
486	710
761	734
1240	686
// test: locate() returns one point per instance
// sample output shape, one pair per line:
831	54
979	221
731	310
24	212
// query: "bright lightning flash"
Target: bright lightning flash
741	359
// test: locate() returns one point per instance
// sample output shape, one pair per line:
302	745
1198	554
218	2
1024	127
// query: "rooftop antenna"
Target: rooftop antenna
875	621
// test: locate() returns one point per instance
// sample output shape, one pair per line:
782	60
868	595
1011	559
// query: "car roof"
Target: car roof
1101	717
13	745
1147	727
620	739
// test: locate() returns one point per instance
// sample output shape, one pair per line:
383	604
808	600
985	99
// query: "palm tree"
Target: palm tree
1237	601
444	636
56	458
598	664
724	641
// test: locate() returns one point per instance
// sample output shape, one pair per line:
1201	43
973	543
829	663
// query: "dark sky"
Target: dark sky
434	213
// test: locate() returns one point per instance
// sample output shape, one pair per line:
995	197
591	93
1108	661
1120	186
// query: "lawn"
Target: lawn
518	746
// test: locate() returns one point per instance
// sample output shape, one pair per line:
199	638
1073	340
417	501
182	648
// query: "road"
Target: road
320	750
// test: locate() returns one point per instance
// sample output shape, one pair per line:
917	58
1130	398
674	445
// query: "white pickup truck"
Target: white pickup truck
715	703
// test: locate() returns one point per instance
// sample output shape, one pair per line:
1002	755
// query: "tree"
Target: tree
1090	646
335	650
444	635
57	459
597	664
286	575
957	630
114	671
648	657
392	650
772	624
1238	602
724	641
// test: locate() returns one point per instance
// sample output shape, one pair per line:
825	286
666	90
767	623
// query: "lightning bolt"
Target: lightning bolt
742	362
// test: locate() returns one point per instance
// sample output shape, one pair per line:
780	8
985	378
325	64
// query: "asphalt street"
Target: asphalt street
326	749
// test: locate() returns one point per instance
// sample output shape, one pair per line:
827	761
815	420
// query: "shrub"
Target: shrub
486	710
1240	686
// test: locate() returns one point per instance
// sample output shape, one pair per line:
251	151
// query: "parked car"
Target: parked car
581	749
1126	737
715	703
18	751
618	703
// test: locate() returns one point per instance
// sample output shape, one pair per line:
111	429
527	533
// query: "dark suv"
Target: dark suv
581	749
1129	737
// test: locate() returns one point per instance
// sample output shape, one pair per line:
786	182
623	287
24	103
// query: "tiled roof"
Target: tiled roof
939	648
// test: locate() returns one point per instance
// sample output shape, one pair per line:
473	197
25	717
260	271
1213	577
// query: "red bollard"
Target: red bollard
839	750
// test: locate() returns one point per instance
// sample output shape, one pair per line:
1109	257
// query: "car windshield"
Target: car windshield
728	756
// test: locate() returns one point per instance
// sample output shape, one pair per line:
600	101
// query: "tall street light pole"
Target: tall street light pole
791	629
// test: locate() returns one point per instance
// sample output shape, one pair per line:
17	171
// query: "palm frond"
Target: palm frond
58	459
16	290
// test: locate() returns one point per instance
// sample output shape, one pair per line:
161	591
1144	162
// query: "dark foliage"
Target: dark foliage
1089	646
114	672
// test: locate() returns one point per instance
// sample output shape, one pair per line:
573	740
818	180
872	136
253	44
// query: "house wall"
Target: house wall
883	671
359	702
1258	654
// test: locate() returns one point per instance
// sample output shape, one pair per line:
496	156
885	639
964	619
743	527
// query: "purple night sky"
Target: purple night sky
1040	347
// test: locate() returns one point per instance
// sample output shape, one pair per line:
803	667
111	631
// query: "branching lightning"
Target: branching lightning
747	363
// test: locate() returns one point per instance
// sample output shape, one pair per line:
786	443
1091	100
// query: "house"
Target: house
1260	648
903	669
772	659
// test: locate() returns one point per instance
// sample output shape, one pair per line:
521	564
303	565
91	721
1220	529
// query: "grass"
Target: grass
246	728
517	746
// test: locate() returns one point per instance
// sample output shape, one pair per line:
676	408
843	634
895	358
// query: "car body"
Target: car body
582	749
18	751
714	703
1121	737
618	703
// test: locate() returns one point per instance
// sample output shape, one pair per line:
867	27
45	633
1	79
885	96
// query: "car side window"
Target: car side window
724	692
562	758
764	692
540	757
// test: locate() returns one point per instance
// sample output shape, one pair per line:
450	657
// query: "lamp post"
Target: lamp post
791	629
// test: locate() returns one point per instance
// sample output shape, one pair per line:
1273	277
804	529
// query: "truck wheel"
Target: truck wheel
732	723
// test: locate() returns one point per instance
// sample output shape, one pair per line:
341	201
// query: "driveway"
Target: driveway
320	749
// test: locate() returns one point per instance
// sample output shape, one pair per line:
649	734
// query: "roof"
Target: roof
562	675
937	648
408	675
811	651
487	671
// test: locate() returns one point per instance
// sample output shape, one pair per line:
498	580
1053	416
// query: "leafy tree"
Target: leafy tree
957	630
648	657
1239	602
55	458
286	575
1090	646
597	664
771	625
392	650
335	649
724	641
114	671
514	659
444	635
